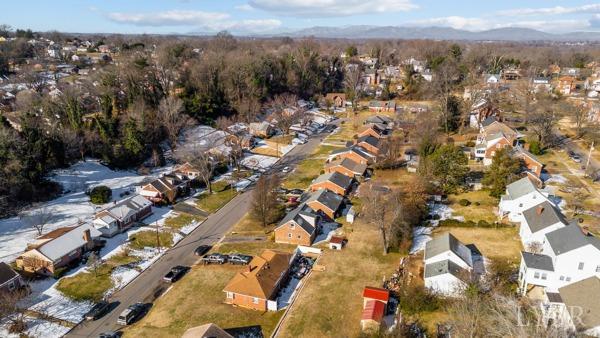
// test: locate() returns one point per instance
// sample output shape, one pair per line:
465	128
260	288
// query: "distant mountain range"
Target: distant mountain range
439	33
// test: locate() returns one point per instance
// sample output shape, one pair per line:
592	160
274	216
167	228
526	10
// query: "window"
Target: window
299	236
230	295
598	268
544	276
290	235
580	266
562	278
520	205
536	275
254	300
568	279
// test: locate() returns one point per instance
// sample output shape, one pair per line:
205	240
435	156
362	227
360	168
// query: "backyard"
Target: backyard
308	169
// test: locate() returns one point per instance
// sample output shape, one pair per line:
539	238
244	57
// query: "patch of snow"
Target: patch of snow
441	210
37	328
421	235
554	178
70	208
258	162
327	230
287	295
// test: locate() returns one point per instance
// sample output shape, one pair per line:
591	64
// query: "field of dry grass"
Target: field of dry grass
330	304
198	298
486	210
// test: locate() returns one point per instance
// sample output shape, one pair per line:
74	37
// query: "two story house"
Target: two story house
520	196
538	221
300	226
448	265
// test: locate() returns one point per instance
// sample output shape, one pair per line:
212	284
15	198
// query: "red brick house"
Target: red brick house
369	143
336	182
58	249
346	167
373	130
298	227
326	202
257	285
355	153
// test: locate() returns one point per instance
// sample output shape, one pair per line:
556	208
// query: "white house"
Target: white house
492	78
448	265
569	254
575	307
121	215
538	221
520	196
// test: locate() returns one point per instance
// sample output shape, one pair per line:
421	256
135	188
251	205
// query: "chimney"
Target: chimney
540	210
87	237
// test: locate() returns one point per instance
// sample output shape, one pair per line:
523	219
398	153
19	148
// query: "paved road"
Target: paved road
571	145
148	285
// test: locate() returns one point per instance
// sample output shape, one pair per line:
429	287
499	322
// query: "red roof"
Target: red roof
336	240
376	293
373	310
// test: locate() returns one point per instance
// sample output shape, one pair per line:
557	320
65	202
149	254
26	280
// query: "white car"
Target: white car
298	141
286	170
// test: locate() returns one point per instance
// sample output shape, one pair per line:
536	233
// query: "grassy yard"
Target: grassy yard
181	220
212	202
484	211
308	169
177	311
92	286
494	243
148	238
338	289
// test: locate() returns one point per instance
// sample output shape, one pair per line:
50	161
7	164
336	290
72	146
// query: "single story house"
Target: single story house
187	170
347	167
385	106
357	154
337	99
161	190
381	120
256	287
369	143
336	182
58	249
375	130
121	215
261	129
326	202
10	280
299	226
448	264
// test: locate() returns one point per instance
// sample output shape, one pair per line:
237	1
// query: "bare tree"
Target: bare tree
541	122
37	218
578	115
352	84
12	311
94	262
264	199
380	208
285	111
172	117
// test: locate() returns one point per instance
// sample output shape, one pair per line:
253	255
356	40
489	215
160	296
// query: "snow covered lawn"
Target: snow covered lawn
69	208
259	162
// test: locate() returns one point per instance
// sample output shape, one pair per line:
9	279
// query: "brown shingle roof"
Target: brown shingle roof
261	276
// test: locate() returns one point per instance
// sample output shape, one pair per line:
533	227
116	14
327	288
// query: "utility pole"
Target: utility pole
587	164
157	237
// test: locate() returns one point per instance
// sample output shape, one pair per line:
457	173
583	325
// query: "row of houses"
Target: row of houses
326	194
561	264
494	136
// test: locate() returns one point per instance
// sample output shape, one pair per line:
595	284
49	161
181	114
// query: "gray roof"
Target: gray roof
336	178
447	242
554	297
537	261
488	120
360	151
584	295
520	188
58	247
371	140
379	118
353	166
543	215
6	273
330	199
299	216
444	267
128	207
520	151
570	238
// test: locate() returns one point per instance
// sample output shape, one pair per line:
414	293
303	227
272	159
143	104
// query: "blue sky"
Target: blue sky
265	16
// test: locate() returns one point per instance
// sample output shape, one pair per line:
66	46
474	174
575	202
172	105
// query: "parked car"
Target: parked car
239	259
110	334
298	141
216	258
131	313
97	311
202	250
175	274
576	158
296	192
286	170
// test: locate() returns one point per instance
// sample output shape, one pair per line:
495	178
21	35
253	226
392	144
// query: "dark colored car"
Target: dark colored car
215	258
202	250
110	334
239	259
131	313
97	311
296	192
175	274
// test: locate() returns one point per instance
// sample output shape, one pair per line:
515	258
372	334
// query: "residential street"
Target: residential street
148	285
